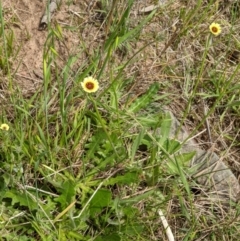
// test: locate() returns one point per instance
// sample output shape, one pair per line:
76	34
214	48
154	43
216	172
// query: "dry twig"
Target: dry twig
166	226
46	18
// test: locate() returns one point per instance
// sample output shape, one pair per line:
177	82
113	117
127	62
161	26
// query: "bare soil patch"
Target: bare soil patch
83	31
23	18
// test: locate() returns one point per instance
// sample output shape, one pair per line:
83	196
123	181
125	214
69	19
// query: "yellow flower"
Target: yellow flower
90	85
4	127
215	29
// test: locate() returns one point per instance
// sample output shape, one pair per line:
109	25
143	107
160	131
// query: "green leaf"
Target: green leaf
165	129
152	121
94	144
68	193
101	199
177	166
110	237
72	235
234	103
145	99
184	158
21	198
133	229
180	161
128	178
2	185
121	27
171	146
136	30
136	143
130	211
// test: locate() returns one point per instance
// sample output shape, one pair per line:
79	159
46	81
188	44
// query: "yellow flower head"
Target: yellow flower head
4	127
215	29
90	85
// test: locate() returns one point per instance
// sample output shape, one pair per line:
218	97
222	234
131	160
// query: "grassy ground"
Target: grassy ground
92	166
